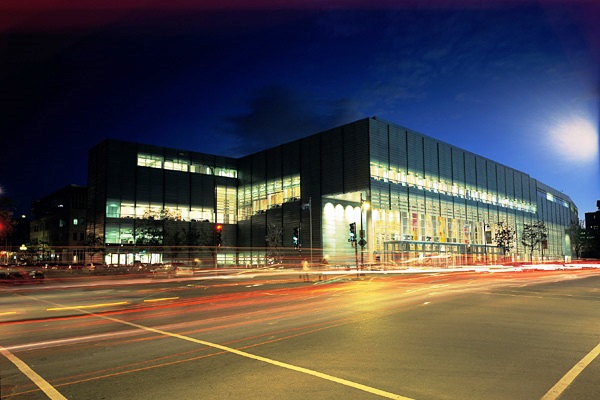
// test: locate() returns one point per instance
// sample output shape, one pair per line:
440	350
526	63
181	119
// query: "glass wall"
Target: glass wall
259	197
183	165
432	194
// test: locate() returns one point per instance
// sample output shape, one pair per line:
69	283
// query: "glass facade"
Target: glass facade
430	199
413	199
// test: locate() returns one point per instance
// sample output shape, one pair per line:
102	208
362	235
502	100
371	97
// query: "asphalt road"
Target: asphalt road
528	335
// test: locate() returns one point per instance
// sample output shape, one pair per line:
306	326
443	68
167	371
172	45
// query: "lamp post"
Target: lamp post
364	206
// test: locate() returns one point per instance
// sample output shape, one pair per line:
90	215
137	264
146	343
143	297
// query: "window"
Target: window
228	172
112	209
150	160
176	165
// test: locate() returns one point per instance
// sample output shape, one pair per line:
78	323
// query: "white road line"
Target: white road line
47	388
570	376
307	371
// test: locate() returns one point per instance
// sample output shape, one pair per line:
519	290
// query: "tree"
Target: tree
6	213
42	250
533	235
577	237
274	241
94	244
504	237
149	230
197	237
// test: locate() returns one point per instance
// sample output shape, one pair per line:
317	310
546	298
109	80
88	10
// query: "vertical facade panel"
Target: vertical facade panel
431	159
399	147
492	180
470	170
445	162
415	153
458	166
481	172
332	161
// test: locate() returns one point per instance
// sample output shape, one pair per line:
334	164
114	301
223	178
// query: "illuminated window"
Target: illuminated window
113	209
158	161
227	172
440	186
150	160
258	198
201	169
175	165
226	204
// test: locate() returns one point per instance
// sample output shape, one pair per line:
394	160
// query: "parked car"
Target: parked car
171	270
11	277
36	276
162	271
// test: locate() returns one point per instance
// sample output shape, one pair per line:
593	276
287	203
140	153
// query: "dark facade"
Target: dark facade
59	221
412	199
592	233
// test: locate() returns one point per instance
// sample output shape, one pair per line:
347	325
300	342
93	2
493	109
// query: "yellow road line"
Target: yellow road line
120	303
50	391
161	299
8	313
570	376
303	370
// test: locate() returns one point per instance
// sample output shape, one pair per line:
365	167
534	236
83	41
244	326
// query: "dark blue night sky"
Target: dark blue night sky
514	81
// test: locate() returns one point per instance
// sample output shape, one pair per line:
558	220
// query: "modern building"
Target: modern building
368	192
58	226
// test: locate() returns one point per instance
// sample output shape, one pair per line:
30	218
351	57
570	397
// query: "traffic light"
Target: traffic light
296	237
352	237
218	236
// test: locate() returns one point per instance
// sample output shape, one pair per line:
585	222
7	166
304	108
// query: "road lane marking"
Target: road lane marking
47	388
281	364
8	313
161	299
570	376
120	303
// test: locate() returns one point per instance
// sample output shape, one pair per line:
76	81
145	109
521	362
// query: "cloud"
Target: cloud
278	114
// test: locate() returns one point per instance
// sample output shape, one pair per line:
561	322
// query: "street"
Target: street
455	335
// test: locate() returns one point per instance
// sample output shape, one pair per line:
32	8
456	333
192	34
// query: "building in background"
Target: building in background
58	227
592	233
368	192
